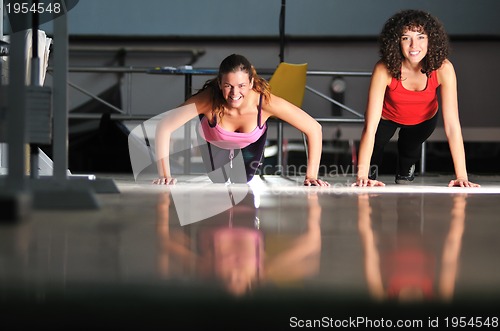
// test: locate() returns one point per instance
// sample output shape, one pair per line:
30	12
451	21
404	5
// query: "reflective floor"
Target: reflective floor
269	255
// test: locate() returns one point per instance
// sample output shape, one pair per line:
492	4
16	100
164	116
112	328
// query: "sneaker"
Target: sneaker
400	179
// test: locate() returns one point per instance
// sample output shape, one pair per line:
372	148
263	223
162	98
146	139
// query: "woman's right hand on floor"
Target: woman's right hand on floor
365	181
165	181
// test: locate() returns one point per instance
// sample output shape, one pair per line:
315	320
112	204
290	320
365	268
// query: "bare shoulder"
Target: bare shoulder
202	101
381	72
381	67
446	72
274	105
447	66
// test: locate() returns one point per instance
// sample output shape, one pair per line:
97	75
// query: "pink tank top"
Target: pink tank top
215	134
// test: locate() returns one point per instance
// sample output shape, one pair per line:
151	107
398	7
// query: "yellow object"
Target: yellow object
289	82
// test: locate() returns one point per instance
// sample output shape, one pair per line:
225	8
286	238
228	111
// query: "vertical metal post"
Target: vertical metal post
35	81
282	30
16	113
60	98
35	57
188	88
422	160
3	149
1	22
56	192
279	159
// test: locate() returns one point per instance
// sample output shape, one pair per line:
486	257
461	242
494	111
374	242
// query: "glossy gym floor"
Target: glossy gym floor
271	255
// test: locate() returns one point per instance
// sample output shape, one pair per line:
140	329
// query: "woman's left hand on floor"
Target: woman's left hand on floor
462	183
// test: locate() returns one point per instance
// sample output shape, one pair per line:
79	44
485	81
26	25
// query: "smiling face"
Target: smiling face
414	45
235	86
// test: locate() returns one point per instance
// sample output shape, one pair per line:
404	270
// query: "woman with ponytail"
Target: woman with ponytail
233	109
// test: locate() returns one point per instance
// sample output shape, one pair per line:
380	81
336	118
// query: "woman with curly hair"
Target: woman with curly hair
233	109
403	94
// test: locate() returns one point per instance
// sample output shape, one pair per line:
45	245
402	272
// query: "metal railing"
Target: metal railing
128	115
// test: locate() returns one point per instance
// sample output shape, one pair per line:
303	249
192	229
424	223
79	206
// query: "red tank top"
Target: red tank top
410	107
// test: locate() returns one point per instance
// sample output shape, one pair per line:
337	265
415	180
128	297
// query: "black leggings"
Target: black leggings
243	167
410	141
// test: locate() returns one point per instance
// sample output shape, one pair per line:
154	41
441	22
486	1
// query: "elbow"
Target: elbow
314	131
162	129
453	133
318	129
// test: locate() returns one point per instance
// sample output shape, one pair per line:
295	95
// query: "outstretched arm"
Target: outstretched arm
451	248
302	121
172	120
301	258
379	81
373	273
452	128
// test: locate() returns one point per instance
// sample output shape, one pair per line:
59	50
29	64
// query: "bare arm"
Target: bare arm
447	79
302	121
302	257
371	254
451	249
379	81
173	120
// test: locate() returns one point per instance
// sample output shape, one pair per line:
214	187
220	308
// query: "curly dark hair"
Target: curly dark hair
414	20
234	63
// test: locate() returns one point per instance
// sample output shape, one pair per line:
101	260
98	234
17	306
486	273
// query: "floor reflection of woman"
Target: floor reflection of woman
229	248
406	269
